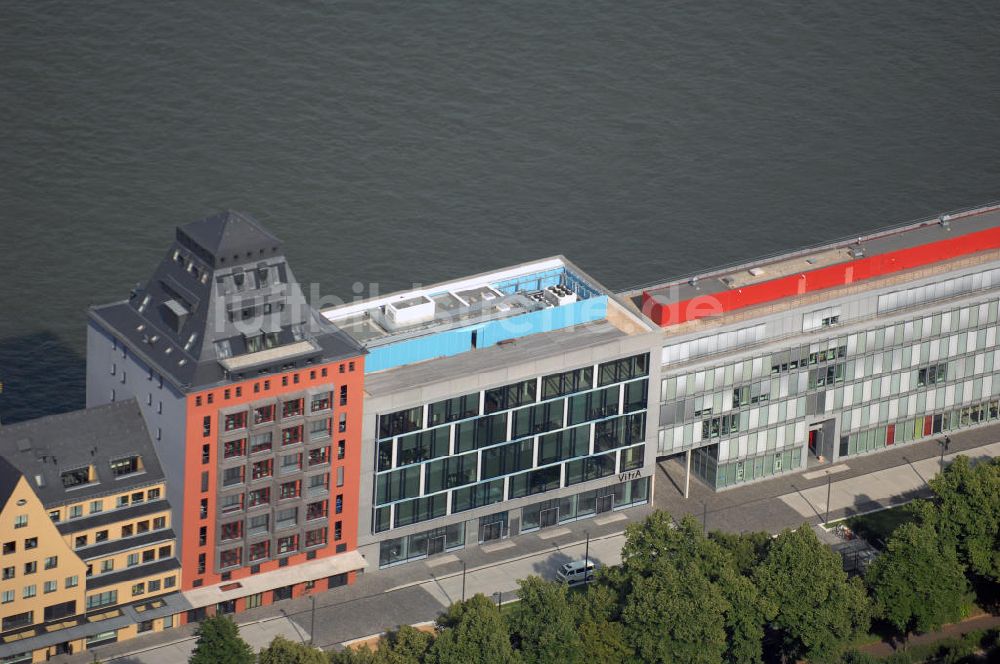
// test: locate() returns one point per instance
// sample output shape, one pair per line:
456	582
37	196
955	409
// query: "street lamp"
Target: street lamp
499	596
312	622
829	486
586	555
463	580
945	444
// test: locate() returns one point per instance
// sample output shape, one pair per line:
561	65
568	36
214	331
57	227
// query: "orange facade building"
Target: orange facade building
254	403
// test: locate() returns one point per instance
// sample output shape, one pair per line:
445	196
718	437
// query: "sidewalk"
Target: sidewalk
981	621
419	591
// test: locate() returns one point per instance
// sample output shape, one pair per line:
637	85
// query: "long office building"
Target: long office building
830	352
499	404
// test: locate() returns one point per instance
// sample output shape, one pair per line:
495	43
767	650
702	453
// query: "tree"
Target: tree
968	513
818	609
219	642
676	615
473	632
407	645
917	584
283	651
543	625
601	633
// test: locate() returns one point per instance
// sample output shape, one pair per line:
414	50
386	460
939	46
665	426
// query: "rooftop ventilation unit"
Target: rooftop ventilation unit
410	311
559	295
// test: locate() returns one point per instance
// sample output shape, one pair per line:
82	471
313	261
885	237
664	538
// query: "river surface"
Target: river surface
396	142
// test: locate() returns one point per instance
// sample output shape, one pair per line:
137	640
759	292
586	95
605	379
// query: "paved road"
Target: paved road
385	599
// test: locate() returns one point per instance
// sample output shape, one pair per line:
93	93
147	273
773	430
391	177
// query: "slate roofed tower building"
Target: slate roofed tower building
254	403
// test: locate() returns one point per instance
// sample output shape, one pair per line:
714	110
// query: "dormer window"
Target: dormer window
223	349
263	277
77	477
126	466
239	281
190	341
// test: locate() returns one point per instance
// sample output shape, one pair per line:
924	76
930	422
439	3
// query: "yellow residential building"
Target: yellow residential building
87	550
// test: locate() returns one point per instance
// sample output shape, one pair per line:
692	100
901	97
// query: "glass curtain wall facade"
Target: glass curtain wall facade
509	442
886	385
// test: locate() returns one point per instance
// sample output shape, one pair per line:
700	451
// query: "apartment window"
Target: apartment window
295	378
267	385
290	463
138	589
260	497
317	483
154	585
260	443
341	368
319	456
100	536
107	566
204	481
164	551
233	448
31	543
342	423
341	449
232	476
340	476
286	518
9	573
339	503
55	515
315	537
230	557
206	426
126	466
72	581
80	541
203	508
234	421
19	620
142	526
343	395
169	582
127	530
288	544
263	414
8	597
9	547
320	402
258	524
29	591
133	560
121	501
319	430
291	408
206	453
31	567
350	366
201	563
289	490
211	397
137	497
316	510
202	535
153	494
284	381
260	550
291	435
337	531
255	600
159	523
232	503
261	469
233	530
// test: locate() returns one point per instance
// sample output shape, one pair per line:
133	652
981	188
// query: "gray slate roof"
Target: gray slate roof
192	304
42	449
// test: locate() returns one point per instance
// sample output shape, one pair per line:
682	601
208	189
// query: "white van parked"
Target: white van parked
578	571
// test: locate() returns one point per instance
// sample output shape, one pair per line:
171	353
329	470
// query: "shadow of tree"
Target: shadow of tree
41	376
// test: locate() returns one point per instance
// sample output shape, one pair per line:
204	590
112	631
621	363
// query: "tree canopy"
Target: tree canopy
219	642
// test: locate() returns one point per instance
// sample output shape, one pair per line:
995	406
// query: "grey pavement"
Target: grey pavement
418	592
